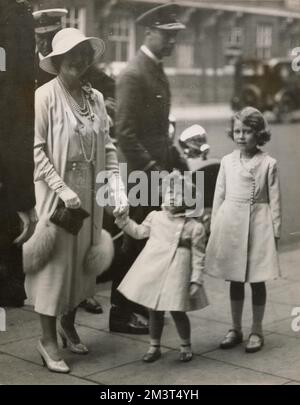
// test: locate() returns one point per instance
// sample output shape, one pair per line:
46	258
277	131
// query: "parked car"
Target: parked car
269	85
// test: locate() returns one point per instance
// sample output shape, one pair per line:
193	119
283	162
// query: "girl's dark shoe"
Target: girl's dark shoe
232	339
152	356
255	343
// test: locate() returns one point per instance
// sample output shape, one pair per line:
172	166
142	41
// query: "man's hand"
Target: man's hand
29	220
194	288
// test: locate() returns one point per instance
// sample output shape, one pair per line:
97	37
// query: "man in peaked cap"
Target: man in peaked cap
47	23
142	122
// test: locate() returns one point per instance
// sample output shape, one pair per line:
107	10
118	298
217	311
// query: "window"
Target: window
235	37
185	49
75	18
185	56
121	38
264	41
293	3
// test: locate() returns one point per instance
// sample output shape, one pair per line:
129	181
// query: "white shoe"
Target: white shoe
57	366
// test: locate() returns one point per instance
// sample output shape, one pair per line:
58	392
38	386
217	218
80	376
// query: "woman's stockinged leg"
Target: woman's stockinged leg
49	336
237	297
68	324
259	297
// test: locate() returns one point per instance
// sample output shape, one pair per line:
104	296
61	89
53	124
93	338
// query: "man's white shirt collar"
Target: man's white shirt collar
150	54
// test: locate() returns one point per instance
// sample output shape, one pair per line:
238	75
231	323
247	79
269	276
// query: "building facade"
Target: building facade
218	33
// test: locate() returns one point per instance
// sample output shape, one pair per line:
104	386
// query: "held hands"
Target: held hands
118	196
122	220
121	204
70	198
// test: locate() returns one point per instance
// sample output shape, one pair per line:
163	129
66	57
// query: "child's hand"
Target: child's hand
122	220
194	288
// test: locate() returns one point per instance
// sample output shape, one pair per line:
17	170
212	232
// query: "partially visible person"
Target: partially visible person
168	273
246	223
194	143
47	23
17	200
143	101
72	145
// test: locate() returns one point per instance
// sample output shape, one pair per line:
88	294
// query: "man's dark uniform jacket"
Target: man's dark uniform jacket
142	116
142	123
16	132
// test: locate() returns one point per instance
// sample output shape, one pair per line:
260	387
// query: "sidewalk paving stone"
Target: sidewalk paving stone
283	328
168	370
106	351
280	356
14	371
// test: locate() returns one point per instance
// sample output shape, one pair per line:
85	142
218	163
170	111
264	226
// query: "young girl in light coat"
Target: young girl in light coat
246	221
167	275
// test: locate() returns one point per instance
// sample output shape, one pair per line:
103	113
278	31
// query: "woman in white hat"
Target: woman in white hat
72	146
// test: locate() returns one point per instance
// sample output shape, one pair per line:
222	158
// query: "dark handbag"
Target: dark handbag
69	219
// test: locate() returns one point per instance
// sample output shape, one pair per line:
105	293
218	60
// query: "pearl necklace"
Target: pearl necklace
90	159
84	111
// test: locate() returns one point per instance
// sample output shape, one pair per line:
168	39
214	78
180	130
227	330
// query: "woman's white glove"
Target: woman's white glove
70	198
118	195
121	204
122	220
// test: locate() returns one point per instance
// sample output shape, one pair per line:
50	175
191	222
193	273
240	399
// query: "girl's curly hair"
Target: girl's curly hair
254	119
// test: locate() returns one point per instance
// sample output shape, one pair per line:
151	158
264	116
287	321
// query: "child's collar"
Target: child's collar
187	213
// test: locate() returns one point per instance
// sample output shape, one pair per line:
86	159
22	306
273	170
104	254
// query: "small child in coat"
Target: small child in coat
246	221
167	274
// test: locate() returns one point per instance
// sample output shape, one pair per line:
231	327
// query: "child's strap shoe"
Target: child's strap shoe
152	355
255	343
232	339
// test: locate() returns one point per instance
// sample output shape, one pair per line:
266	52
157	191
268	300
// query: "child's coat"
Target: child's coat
173	257
246	219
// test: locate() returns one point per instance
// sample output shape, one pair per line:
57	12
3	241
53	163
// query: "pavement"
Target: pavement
116	358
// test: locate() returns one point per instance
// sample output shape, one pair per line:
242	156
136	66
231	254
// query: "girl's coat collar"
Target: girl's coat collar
252	164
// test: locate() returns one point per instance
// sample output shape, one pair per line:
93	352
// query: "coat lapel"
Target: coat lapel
252	165
153	68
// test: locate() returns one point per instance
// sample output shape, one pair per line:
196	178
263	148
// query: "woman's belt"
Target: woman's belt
77	165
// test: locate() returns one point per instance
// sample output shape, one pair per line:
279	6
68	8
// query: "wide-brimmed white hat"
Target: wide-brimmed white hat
64	41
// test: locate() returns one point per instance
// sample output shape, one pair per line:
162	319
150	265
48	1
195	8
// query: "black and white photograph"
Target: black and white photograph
149	195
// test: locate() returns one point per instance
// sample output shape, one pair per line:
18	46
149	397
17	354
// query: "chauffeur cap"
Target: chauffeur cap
48	20
162	17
